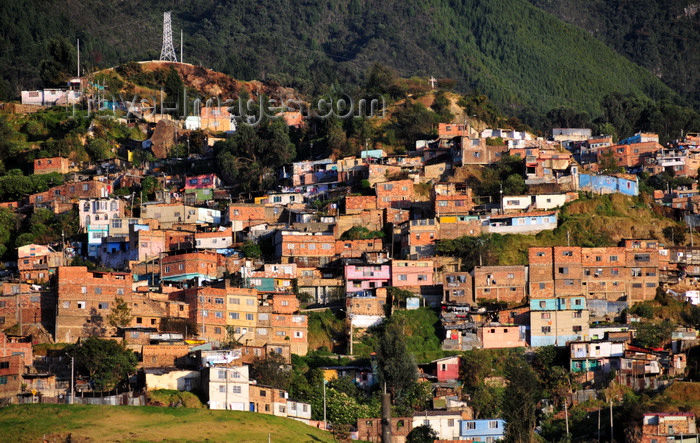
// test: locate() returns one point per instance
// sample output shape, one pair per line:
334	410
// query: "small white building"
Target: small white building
445	423
99	211
177	379
299	411
227	387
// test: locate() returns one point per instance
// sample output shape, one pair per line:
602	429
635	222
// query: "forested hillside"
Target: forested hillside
523	58
660	35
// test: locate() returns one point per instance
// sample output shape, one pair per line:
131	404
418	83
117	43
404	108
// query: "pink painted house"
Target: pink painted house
365	277
500	336
444	369
412	273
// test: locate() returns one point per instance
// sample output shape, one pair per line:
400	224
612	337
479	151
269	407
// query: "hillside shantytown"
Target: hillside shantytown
485	279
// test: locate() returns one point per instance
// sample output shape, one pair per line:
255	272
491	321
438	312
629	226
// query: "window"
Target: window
218	314
250	302
540	254
546	329
577	329
542	286
81	305
249	316
222	388
103	305
577	314
493	424
568	282
263	316
511	275
219	300
563	270
568	253
3	380
598	258
298	334
470	425
543	304
546	315
205	313
233	315
263	393
236	389
613	258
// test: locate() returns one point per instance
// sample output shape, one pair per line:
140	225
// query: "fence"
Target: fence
125	399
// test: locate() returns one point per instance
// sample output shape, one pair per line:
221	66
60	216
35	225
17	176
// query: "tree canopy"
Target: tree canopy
106	362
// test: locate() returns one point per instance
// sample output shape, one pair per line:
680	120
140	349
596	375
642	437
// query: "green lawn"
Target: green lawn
31	423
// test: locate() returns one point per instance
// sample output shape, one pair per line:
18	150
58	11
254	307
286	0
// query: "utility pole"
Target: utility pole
72	379
566	414
78	57
611	422
181	59
325	424
599	425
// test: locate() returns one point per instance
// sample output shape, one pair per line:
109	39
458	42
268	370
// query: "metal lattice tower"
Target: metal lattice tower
168	51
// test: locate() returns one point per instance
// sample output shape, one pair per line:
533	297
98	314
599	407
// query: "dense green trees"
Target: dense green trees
509	50
249	158
520	401
106	362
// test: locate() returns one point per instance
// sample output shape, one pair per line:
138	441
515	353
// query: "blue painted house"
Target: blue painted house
558	321
485	430
520	223
608	184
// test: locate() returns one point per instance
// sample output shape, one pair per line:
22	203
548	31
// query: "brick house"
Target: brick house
370	429
357	248
501	283
458	288
17	346
85	299
642	260
164	356
245	215
452	199
60	198
268	400
604	273
355	204
662	427
11	370
22	303
631	155
394	194
48	165
372	219
37	262
304	248
200	266
418	238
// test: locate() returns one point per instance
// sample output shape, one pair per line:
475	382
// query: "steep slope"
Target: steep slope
508	49
660	35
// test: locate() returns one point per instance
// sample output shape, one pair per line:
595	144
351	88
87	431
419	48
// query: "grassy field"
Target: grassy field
87	423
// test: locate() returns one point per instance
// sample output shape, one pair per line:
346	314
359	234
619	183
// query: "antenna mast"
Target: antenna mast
167	53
